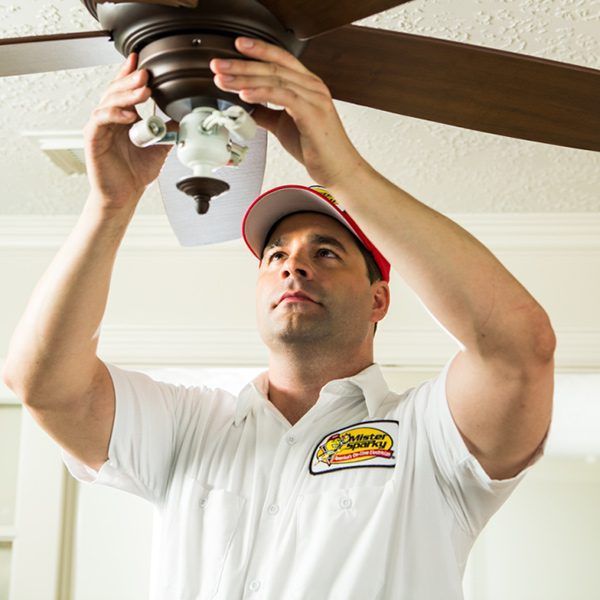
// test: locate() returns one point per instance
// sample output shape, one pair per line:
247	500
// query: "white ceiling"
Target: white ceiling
451	169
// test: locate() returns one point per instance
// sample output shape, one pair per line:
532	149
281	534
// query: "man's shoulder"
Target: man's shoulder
400	403
170	388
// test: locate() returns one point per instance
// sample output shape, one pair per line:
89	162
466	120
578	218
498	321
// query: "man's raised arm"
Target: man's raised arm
52	364
500	387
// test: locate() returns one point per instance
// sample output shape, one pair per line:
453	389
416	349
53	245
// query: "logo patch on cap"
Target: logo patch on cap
325	193
365	444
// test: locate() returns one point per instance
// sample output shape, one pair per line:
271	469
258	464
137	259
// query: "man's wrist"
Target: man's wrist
111	205
99	208
360	177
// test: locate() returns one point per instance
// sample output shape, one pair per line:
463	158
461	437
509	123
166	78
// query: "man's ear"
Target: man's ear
381	299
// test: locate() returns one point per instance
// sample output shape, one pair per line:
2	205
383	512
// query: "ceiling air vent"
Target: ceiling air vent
63	148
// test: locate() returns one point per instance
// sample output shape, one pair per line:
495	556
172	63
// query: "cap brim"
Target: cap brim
277	203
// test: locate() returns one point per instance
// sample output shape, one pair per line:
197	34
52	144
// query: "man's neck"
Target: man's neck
295	381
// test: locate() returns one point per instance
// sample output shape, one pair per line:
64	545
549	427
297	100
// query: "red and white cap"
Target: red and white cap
287	199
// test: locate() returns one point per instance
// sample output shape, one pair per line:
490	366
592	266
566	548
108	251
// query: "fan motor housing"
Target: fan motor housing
176	46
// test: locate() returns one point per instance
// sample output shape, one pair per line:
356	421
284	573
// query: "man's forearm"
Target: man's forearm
52	352
458	279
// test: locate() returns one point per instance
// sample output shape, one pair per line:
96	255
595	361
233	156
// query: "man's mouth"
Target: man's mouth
296	297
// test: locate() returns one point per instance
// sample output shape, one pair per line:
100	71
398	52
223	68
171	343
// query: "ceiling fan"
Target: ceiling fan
469	86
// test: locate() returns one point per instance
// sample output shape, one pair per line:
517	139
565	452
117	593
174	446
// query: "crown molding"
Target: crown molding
512	232
403	350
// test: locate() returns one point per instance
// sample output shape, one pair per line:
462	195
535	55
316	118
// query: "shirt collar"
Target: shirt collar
369	382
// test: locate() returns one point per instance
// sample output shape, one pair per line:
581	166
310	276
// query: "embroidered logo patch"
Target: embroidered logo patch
365	444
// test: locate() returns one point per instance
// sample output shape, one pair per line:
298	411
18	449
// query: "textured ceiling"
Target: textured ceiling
448	168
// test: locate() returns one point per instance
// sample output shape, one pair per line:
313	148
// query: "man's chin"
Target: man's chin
294	332
289	305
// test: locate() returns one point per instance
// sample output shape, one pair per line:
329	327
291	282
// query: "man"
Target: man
317	481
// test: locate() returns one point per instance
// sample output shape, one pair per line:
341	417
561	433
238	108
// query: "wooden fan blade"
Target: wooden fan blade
223	221
308	18
458	84
57	52
180	3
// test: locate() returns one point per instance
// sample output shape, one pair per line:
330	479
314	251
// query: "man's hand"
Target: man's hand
308	127
119	171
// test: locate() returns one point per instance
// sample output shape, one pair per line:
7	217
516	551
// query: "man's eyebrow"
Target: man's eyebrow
326	239
315	238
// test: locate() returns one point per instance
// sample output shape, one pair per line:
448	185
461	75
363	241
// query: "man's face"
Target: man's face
314	254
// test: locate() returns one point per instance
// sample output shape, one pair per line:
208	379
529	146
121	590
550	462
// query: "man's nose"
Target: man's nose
297	265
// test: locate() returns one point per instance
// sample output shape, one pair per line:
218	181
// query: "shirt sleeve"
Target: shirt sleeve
149	415
472	494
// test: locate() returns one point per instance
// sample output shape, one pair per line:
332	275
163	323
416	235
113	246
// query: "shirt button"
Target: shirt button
202	502
273	509
291	440
254	585
345	503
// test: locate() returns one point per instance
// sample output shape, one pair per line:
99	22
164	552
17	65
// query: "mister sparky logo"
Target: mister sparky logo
367	444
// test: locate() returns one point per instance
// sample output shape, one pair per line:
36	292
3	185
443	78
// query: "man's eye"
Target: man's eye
327	250
275	254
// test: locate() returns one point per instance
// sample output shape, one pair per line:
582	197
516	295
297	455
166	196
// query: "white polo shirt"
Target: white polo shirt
371	495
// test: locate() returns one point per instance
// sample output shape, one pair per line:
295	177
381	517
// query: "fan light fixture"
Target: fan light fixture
203	144
176	46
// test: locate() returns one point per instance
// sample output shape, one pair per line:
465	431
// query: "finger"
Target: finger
132	81
269	53
252	67
242	83
266	117
128	66
110	115
126	99
294	104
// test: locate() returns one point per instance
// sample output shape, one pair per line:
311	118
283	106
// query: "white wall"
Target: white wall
544	543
